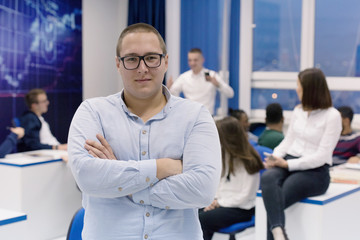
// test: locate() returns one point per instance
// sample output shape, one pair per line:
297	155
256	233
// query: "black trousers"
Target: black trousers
212	221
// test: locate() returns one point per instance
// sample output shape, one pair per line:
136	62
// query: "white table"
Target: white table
43	187
332	216
12	224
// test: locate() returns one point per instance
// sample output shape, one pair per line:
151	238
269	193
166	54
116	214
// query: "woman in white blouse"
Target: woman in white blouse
235	198
299	166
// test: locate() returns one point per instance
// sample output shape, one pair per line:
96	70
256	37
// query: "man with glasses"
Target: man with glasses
144	159
199	84
37	131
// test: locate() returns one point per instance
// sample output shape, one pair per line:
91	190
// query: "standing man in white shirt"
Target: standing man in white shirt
199	84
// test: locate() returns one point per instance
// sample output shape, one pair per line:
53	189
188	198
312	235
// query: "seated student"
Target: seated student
241	115
299	166
37	130
11	140
272	135
235	198
348	147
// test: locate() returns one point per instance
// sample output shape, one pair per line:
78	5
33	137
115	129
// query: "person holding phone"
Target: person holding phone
199	84
299	165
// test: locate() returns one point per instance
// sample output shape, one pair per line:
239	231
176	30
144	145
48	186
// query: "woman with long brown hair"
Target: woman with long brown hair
299	166
235	198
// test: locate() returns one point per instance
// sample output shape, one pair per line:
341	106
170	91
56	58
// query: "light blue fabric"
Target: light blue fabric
160	210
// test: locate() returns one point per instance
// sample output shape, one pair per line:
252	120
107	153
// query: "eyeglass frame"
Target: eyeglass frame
142	58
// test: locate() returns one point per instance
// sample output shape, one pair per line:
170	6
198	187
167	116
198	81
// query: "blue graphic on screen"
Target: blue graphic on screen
40	47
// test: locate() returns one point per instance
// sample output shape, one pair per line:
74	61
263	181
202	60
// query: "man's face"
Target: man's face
142	82
195	61
42	104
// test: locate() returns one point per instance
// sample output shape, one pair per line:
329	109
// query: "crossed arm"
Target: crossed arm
165	167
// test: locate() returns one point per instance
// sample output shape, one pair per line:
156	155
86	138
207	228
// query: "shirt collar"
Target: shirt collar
163	113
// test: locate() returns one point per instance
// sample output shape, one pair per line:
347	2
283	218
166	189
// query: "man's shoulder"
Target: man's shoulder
28	115
354	136
102	101
185	75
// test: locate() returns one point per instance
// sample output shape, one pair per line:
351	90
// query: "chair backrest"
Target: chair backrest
76	225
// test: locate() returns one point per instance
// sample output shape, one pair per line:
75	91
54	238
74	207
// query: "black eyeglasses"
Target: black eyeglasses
152	60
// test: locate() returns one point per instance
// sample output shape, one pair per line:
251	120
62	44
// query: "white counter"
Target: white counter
41	185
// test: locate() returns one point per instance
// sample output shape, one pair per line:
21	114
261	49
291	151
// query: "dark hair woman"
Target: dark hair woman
299	166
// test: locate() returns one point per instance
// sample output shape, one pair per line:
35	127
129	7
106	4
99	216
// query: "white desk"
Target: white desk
12	225
42	187
332	216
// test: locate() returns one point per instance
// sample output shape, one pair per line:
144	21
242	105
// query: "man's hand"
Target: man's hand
354	159
212	80
100	150
19	131
212	206
166	167
62	146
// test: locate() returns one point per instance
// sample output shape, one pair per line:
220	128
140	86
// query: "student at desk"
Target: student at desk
11	140
37	131
348	147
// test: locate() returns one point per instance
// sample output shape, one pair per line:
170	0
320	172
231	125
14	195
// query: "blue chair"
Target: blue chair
237	227
76	225
257	128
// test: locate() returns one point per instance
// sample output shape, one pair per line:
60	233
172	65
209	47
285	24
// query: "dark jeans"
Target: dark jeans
281	189
212	221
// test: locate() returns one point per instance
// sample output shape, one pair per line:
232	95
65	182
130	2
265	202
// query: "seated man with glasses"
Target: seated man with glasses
144	159
37	131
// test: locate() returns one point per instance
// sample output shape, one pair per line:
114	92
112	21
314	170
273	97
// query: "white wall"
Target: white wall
102	23
173	37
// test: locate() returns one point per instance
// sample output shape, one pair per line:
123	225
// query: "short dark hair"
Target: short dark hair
316	94
346	112
31	96
140	27
195	50
274	113
236	113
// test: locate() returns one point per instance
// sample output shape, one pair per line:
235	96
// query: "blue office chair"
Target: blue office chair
237	227
257	128
76	225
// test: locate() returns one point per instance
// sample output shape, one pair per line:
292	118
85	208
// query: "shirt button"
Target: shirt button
147	179
146	236
151	184
148	214
120	189
143	153
143	131
167	207
141	201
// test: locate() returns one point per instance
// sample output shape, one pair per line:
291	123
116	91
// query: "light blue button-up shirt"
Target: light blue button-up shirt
122	198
